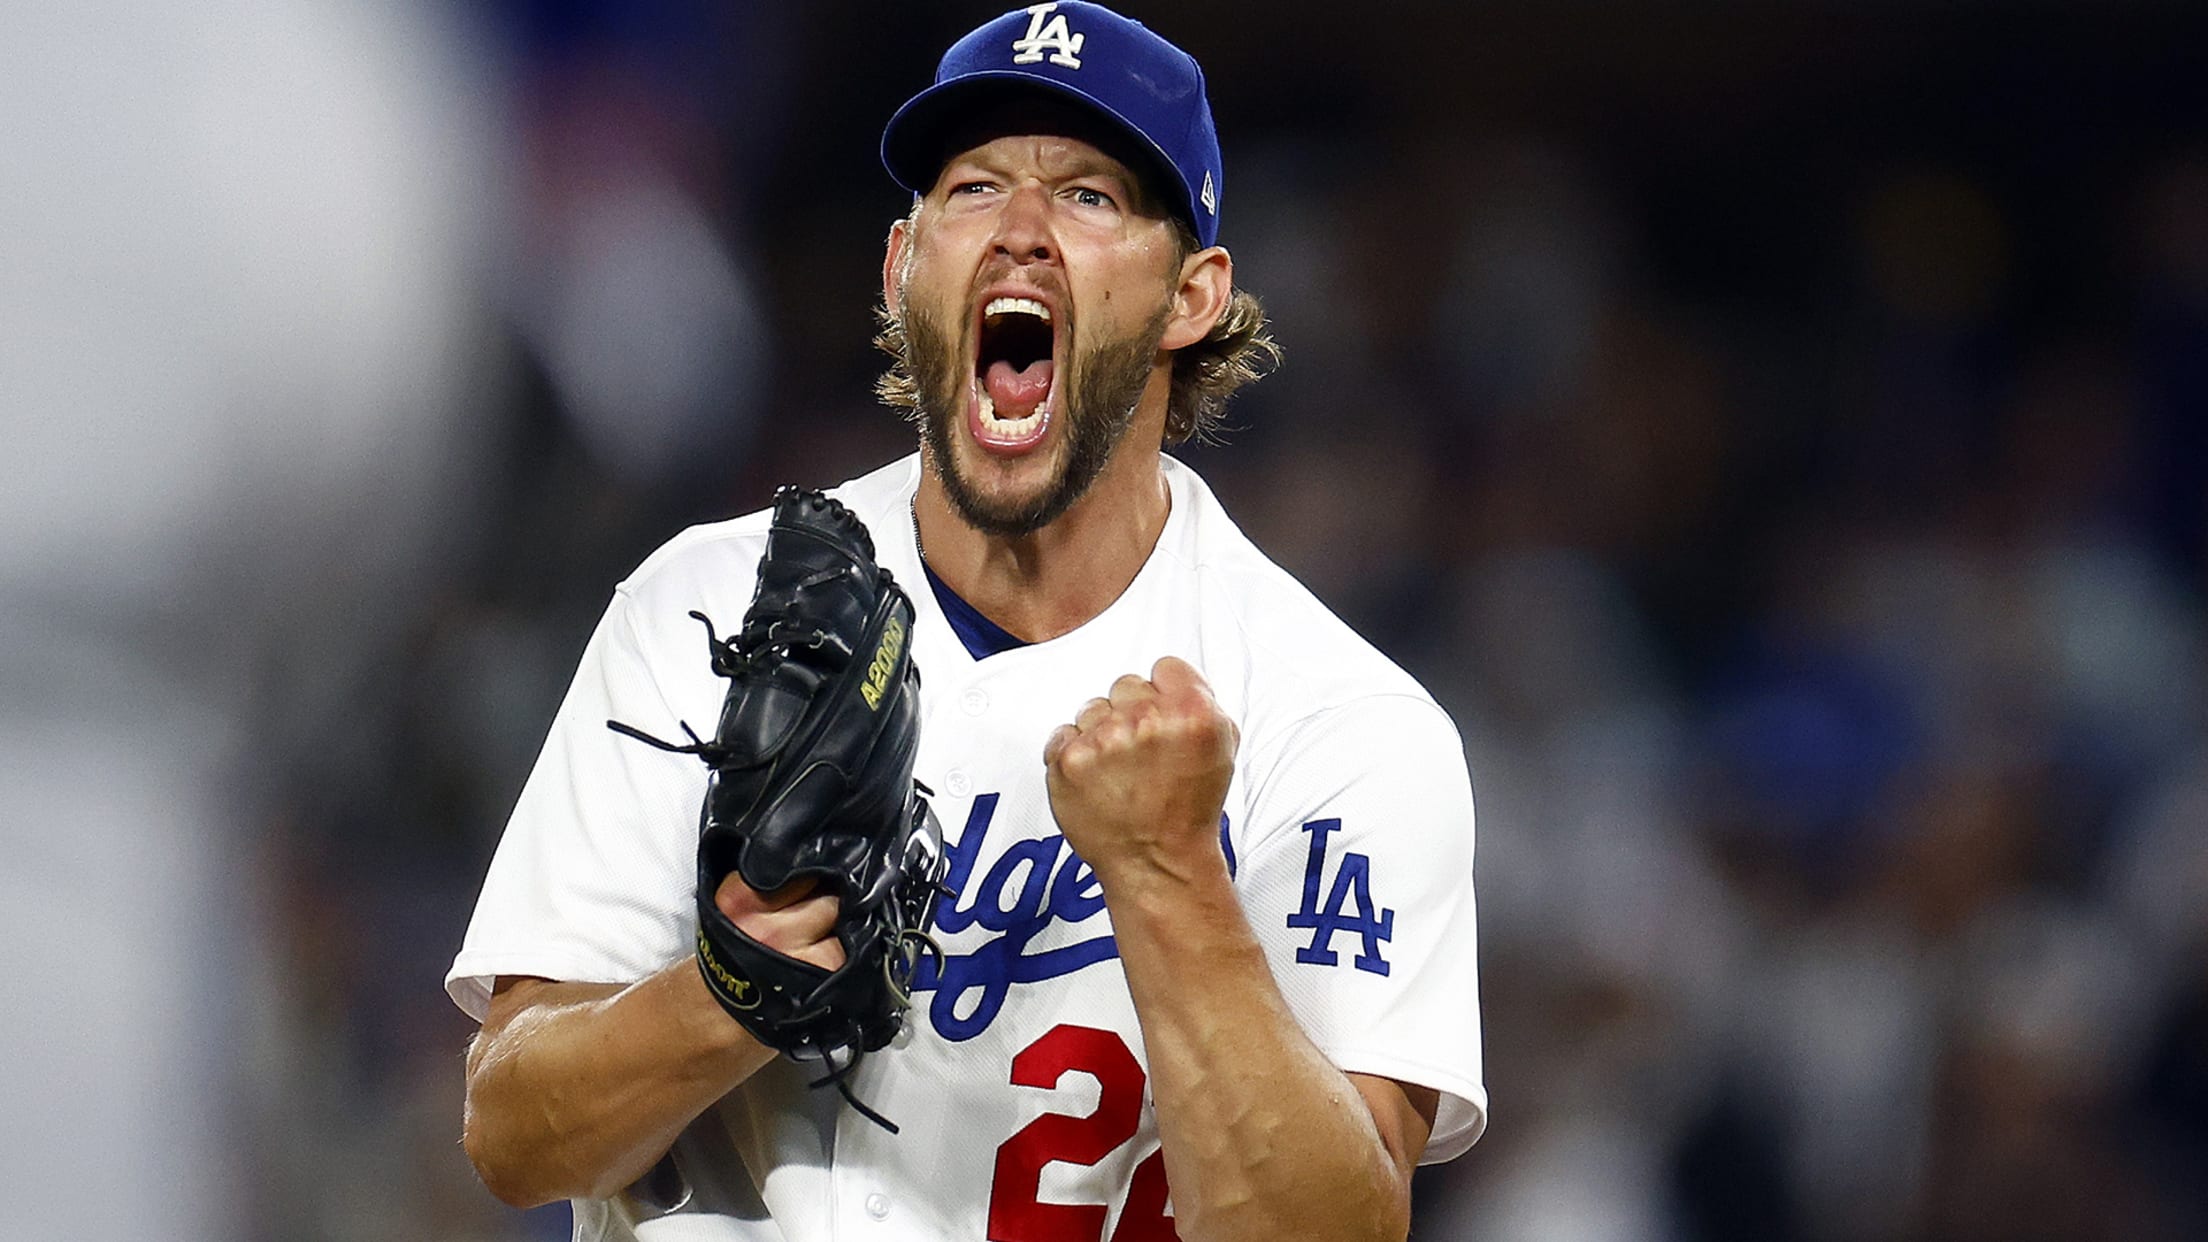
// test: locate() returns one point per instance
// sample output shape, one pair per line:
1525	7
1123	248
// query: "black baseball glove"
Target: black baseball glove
812	780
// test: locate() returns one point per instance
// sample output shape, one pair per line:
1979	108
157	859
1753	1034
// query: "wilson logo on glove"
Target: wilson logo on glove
732	990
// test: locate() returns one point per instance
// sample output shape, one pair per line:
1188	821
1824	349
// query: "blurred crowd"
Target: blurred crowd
1779	438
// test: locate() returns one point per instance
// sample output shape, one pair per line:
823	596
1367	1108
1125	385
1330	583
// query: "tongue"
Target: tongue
1017	393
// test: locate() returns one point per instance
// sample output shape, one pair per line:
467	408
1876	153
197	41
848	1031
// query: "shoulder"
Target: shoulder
712	553
714	569
1275	652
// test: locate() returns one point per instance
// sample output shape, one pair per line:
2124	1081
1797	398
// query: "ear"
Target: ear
893	262
1207	282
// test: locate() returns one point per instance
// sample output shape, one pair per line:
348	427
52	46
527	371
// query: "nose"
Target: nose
1023	225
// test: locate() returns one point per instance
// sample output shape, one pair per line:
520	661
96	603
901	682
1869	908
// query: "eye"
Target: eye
1090	196
971	187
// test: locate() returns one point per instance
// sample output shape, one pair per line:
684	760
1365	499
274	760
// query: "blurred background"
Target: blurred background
1777	432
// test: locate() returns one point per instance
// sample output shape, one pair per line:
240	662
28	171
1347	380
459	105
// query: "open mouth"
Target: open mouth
1015	372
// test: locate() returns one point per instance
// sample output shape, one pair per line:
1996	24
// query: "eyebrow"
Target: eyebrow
1073	166
1134	189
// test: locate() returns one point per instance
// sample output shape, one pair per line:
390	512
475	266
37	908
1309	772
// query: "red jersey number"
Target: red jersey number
1016	1214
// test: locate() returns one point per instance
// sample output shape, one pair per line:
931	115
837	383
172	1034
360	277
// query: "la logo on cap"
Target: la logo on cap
1063	45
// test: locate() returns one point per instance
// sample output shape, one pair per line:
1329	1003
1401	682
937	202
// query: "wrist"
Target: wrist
712	1029
1166	882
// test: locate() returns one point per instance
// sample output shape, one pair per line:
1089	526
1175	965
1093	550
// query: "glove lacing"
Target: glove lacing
734	656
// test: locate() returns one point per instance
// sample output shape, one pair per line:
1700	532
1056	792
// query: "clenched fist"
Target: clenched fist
1138	779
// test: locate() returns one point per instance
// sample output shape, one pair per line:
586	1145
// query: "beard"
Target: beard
1097	403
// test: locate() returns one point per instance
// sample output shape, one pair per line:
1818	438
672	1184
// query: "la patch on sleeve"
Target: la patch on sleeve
1349	906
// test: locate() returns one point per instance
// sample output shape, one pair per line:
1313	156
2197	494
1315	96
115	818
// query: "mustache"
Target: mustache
1005	269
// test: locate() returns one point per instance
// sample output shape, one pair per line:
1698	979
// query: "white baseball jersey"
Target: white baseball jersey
1022	1090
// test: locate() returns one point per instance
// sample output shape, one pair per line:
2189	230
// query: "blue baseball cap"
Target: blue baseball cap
1110	65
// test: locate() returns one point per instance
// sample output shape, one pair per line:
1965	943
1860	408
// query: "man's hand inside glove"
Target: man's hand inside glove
796	919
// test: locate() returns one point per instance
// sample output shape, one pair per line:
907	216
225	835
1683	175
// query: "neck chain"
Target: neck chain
912	507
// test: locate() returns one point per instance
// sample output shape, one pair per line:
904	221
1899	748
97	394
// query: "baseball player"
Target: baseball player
1208	963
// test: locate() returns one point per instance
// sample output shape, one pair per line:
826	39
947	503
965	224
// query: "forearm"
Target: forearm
576	1090
1263	1136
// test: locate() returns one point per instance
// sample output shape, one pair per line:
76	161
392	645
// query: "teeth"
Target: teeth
1016	306
1009	427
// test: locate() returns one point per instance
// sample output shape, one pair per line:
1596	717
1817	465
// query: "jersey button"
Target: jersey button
877	1205
959	784
975	701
